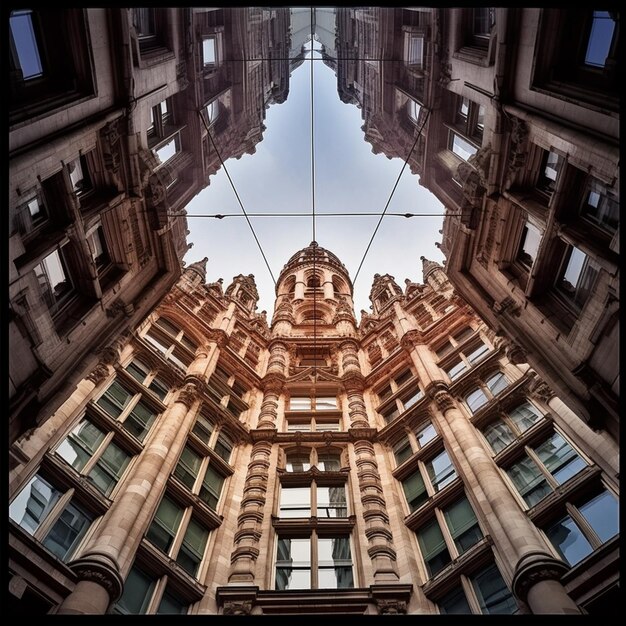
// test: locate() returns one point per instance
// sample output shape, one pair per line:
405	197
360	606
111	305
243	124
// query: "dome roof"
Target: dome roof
314	252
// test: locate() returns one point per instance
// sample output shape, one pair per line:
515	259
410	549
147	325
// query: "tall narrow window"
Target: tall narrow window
24	39
600	38
208	51
577	277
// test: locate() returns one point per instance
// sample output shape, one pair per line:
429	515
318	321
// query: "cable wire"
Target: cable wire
221	216
391	195
232	184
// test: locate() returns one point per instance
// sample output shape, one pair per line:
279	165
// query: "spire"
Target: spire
428	266
199	267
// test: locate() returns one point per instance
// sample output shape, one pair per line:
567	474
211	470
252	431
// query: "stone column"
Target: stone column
250	519
537	572
377	529
421	356
116	540
299	291
329	292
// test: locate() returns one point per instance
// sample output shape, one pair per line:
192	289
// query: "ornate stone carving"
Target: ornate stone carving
99	373
507	305
100	569
189	394
515	353
237	607
218	336
410	339
391	607
541	390
473	189
533	568
110	354
440	394
518	149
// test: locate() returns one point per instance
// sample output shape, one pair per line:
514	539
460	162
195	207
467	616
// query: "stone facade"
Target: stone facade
117	119
519	140
410	464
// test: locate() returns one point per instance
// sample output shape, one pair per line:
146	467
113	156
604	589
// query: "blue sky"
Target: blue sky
349	178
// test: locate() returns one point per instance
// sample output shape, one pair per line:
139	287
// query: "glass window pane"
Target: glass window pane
114	399
165	524
330	462
158	388
168	150
599	207
425	434
23	34
137	370
203	428
211	487
499	435
493	595
454	602
560	458
497	383
602	513
299	404
525	416
297	463
578	277
188	467
433	548
223	447
475	400
412	398
463	524
415	490
169	605
293	564
456	370
529	245
80	445
33	504
109	468
569	540
208	50
295	502
138	589
331	502
192	549
326	404
441	471
477	353
139	421
529	481
67	532
461	147
334	563
600	38
402	450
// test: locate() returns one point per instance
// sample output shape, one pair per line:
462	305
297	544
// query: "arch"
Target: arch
298	459
177	319
314	281
339	286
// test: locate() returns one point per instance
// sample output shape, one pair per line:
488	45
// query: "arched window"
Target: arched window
298	462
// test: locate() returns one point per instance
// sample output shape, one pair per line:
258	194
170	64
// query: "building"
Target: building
117	117
510	116
214	464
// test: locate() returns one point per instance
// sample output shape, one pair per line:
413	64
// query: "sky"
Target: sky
348	178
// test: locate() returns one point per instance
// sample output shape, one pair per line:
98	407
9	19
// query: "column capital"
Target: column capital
102	570
189	393
353	382
219	336
440	393
273	382
410	339
534	567
98	373
540	389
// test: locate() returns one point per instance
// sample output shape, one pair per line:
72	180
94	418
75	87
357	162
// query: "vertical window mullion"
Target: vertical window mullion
180	532
430	490
201	474
544	470
314	560
470	594
157	594
97	454
584	525
46	525
447	535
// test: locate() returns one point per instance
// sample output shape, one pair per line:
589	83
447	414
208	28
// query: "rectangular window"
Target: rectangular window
169	149
115	399
36	503
529	245
211	488
416	50
212	111
165	524
223	447
524	416
463	524
293	564
188	467
600	38
433	547
529	481
326	404
192	549
415	491
109	468
559	458
461	147
441	471
170	605
331	502
454	603
493	595
498	435
577	277
139	421
295	502
425	434
456	370
550	166
208	51
402	450
299	404
24	39
475	400
54	281
331	562
599	206
138	589
203	429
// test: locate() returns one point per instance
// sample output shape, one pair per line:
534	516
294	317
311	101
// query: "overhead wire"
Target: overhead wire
232	184
419	134
313	240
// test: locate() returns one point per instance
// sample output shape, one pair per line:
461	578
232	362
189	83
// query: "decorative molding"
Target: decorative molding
237	607
99	373
541	390
391	607
189	394
100	569
534	567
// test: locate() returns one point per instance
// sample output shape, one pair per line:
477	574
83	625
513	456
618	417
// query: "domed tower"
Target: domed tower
314	288
435	276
